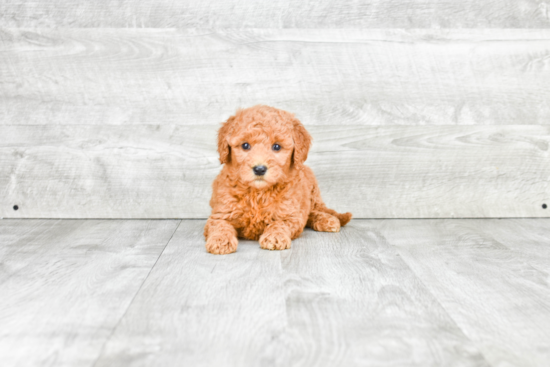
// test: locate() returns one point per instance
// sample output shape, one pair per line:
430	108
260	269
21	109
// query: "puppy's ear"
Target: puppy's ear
223	140
302	143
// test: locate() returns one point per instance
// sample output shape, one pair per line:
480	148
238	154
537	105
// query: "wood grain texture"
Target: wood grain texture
528	237
16	237
153	171
379	293
199	309
65	287
277	14
493	293
352	301
326	77
204	310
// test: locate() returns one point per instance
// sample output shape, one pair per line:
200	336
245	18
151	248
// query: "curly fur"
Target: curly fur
274	208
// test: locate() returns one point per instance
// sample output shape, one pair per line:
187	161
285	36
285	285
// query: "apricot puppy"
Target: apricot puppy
264	191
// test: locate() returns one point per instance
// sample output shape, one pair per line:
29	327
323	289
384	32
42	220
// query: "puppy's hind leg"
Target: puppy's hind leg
344	218
323	222
320	207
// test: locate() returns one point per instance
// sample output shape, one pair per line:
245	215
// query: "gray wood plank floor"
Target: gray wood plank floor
446	292
64	285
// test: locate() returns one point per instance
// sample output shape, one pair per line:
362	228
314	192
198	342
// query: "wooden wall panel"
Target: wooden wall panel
277	14
165	171
327	77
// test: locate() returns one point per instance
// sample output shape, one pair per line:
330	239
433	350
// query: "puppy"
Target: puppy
264	191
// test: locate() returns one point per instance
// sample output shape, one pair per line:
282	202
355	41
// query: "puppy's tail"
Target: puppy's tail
343	218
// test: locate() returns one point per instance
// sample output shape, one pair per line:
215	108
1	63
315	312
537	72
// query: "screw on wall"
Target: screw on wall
544	206
15	207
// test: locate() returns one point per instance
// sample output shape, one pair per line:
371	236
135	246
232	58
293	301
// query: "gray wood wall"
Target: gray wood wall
417	109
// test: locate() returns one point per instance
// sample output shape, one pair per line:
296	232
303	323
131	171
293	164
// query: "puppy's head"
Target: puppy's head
263	145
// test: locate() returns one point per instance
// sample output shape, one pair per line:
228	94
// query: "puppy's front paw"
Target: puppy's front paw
221	245
275	241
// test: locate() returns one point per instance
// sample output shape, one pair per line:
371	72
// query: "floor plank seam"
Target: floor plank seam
520	256
101	351
429	290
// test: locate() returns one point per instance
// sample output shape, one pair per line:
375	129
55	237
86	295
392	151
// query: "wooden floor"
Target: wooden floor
464	292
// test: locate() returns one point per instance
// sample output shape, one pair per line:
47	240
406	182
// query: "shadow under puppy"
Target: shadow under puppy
264	191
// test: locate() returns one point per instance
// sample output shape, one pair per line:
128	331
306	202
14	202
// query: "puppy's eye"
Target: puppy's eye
245	146
276	147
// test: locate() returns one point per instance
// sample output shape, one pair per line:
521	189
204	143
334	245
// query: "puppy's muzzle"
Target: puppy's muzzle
259	170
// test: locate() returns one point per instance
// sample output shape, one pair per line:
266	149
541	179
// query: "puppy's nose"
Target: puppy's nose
259	170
